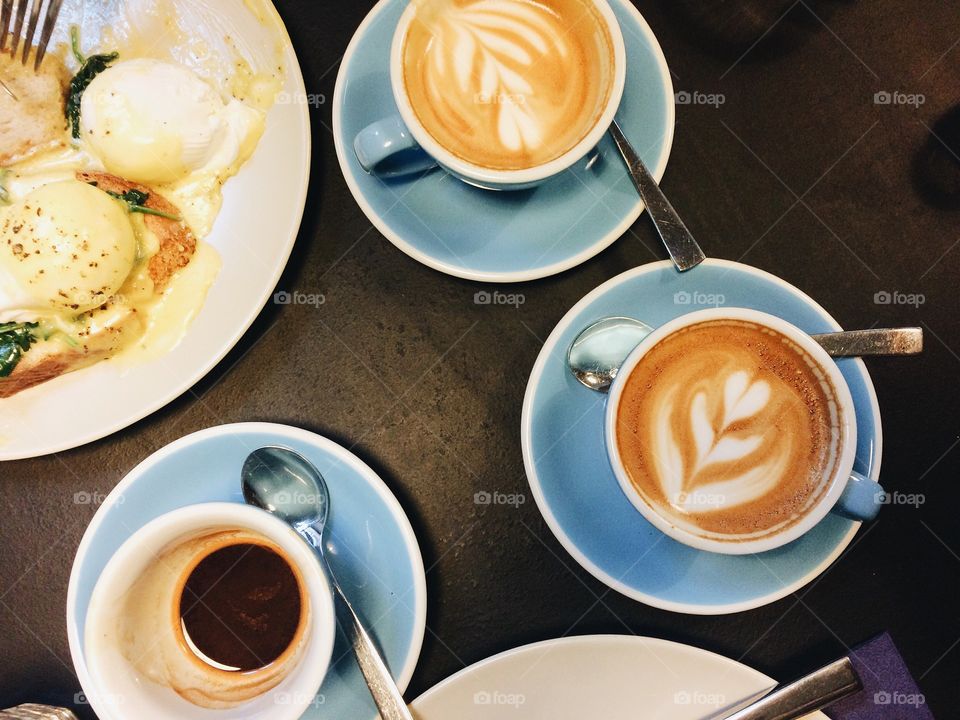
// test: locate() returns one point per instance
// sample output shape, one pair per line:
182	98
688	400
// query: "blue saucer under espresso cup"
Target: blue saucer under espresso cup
845	492
400	145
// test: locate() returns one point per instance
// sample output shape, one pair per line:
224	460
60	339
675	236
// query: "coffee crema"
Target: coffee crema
508	84
729	429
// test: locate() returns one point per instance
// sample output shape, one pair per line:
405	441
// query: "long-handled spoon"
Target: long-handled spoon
812	692
680	243
600	349
286	484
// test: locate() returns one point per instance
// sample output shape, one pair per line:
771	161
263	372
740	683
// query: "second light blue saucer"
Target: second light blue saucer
371	548
578	494
503	236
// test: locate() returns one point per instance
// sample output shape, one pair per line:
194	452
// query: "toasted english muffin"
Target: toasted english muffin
112	325
177	242
35	120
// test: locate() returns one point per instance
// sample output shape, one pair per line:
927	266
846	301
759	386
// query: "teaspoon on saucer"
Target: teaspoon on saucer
680	243
287	485
599	350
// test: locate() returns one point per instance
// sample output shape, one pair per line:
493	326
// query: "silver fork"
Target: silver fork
17	11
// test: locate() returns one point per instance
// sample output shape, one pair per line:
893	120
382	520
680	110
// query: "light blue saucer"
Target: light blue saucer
503	236
373	550
578	494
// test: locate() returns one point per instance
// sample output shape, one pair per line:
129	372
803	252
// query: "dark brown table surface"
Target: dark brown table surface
799	172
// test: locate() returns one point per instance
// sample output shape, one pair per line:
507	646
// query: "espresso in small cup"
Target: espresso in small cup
235	623
211	610
730	430
508	84
242	605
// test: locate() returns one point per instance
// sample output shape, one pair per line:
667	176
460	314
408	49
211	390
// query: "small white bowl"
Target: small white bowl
120	691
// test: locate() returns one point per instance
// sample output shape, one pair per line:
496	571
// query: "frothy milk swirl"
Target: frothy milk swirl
718	415
728	428
507	83
492	44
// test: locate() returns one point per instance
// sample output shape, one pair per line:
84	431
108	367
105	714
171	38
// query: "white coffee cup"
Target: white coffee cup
143	687
847	492
401	145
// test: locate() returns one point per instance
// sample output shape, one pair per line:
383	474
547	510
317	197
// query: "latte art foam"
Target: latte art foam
729	429
508	84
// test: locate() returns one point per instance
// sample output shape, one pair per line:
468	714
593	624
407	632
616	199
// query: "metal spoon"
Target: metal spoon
600	349
679	241
812	692
286	484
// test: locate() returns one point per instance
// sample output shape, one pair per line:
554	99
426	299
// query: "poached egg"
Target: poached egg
65	249
156	122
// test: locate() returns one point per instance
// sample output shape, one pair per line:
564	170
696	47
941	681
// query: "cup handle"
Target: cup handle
861	499
386	148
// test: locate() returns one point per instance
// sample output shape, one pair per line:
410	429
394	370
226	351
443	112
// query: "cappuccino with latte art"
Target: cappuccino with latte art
730	430
508	84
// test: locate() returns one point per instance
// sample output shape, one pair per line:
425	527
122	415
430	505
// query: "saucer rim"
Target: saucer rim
513	276
392	503
533	477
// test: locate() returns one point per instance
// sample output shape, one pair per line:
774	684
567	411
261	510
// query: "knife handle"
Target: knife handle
808	694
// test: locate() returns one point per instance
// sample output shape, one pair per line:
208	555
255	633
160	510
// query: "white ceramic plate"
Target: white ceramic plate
600	677
254	235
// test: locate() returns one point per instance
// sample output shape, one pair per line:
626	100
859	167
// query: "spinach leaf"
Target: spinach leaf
15	340
90	68
137	203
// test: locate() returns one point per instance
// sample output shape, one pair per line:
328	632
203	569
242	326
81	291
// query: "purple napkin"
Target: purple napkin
889	691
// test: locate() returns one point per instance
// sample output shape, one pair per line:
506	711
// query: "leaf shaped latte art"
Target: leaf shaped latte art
486	50
707	454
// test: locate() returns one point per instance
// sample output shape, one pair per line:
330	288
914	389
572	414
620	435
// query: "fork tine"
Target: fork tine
18	25
31	29
53	10
5	23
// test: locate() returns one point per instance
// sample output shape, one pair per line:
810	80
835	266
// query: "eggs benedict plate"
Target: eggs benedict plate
151	190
